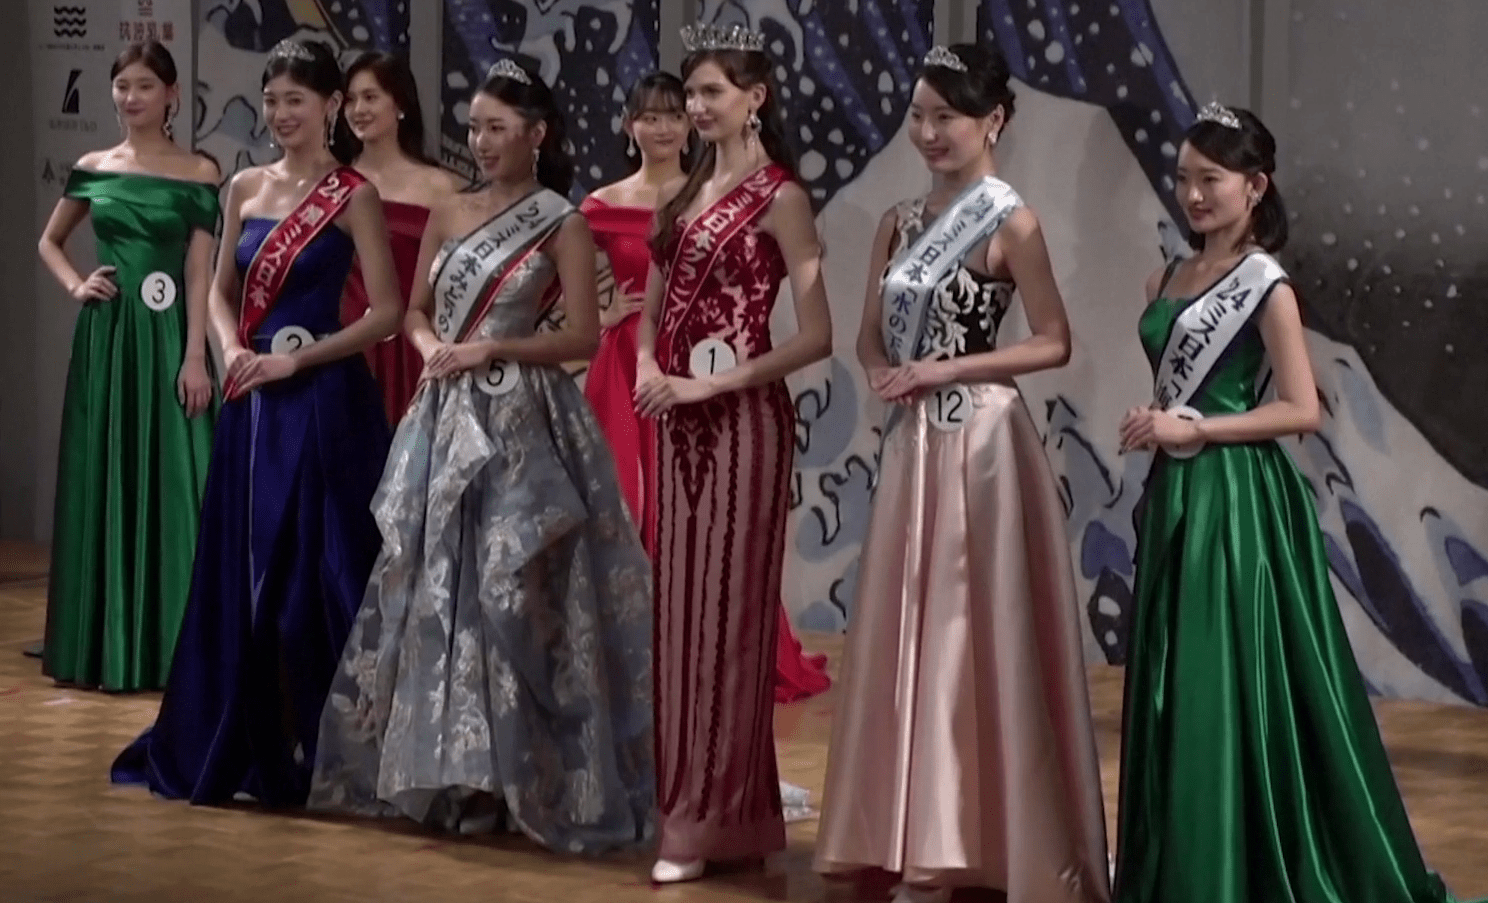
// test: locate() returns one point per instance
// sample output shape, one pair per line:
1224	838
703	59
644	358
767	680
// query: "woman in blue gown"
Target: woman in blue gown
287	538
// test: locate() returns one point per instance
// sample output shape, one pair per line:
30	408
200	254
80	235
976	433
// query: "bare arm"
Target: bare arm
572	249
650	315
790	221
199	274
368	230
225	294
1296	408
870	330
417	324
1048	345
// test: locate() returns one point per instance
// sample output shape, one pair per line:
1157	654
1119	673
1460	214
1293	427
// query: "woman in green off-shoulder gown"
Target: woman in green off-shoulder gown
138	410
1252	769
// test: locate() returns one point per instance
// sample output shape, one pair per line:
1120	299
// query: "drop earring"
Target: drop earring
536	156
170	115
631	147
752	128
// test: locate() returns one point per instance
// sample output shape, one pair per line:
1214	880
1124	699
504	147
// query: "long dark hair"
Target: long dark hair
321	74
659	92
392	74
978	91
534	103
1249	149
745	69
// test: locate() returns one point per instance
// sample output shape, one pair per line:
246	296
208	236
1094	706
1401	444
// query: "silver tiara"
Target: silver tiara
941	55
505	68
293	50
711	37
1214	111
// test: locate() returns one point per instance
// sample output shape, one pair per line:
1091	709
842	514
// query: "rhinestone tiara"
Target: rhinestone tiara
712	37
1214	111
505	68
291	49
941	55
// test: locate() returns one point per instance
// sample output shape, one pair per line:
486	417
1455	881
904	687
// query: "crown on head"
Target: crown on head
941	55
505	68
712	37
1214	111
291	49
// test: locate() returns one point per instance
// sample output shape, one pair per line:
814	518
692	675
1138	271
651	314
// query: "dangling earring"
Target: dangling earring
991	139
631	147
752	128
330	132
536	156
170	114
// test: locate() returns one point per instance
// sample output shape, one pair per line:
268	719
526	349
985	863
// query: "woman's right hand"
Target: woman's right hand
621	309
99	286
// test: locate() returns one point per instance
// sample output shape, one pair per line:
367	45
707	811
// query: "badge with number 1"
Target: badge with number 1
949	408
712	356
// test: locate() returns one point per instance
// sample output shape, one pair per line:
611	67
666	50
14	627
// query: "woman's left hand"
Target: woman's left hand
913	379
659	395
1148	428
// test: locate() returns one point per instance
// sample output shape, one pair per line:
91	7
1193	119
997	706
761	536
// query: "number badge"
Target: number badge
1184	412
499	378
712	356
949	407
290	339
158	291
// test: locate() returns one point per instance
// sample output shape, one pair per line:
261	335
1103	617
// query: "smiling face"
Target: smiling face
503	142
142	99
370	109
1214	199
948	139
298	117
660	130
718	107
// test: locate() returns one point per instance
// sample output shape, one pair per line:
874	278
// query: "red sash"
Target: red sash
704	238
270	267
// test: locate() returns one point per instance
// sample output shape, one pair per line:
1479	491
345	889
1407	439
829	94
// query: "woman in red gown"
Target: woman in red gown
382	109
706	369
621	215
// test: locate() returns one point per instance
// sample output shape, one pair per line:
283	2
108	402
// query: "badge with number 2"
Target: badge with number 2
712	356
499	378
949	408
158	291
290	339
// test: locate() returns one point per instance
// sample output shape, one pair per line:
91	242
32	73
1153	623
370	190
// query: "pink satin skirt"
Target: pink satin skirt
962	749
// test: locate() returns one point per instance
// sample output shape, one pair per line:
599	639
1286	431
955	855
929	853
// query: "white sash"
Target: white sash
1209	325
907	288
468	280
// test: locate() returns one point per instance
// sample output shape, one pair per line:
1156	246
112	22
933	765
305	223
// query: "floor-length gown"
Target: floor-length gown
132	466
622	233
722	493
1252	767
498	676
286	545
962	750
395	363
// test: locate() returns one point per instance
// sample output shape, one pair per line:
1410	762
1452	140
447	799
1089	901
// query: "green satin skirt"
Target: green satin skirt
131	471
1252	769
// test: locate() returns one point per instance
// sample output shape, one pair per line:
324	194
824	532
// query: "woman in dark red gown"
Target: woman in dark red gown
382	109
706	368
621	216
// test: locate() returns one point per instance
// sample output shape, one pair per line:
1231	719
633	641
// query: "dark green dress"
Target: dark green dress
132	466
1252	769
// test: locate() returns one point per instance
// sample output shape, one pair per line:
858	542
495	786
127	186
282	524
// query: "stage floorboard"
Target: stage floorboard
68	836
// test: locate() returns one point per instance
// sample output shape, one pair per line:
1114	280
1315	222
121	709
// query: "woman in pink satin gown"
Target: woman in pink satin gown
709	372
621	216
383	111
962	750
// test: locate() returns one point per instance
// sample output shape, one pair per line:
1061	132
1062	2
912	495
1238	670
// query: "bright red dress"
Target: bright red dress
394	361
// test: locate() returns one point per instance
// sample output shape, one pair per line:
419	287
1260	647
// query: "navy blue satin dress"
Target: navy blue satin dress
286	544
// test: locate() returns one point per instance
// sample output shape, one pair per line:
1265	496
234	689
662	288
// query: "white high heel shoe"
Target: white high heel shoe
665	871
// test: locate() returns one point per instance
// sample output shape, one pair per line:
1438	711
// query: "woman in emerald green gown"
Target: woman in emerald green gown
1252	770
137	415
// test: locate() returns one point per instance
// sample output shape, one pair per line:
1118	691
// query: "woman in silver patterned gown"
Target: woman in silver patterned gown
498	676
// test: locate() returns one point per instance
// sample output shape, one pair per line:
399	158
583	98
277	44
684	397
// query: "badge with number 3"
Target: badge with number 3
158	291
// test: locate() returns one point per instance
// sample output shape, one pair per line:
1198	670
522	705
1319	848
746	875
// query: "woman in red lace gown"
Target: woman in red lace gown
725	240
621	216
382	109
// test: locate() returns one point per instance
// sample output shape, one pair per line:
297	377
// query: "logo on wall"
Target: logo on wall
71	97
54	172
70	21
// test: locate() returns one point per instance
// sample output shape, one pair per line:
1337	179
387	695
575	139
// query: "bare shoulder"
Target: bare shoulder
94	159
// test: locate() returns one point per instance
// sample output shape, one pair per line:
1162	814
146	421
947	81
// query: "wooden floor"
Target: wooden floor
67	836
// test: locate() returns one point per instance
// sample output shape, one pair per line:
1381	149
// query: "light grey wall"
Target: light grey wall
18	409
